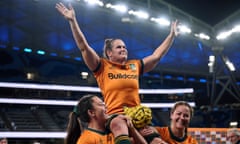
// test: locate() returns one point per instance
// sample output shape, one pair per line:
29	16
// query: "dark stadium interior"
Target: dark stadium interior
36	25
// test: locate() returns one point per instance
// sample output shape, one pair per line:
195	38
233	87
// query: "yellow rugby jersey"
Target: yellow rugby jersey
91	136
167	136
119	84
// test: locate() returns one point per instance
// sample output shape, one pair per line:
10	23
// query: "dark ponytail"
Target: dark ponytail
74	129
77	118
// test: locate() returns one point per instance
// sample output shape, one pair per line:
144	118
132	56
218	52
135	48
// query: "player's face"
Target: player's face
233	138
3	141
119	51
99	109
180	118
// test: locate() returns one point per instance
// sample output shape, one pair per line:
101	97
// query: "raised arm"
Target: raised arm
152	60
90	57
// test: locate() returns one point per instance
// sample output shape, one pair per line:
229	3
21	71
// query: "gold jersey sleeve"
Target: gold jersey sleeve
90	136
166	136
119	84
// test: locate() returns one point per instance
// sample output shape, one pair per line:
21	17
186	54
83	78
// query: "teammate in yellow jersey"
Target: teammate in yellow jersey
180	115
117	77
91	111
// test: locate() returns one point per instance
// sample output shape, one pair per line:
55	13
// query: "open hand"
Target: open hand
174	28
68	13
